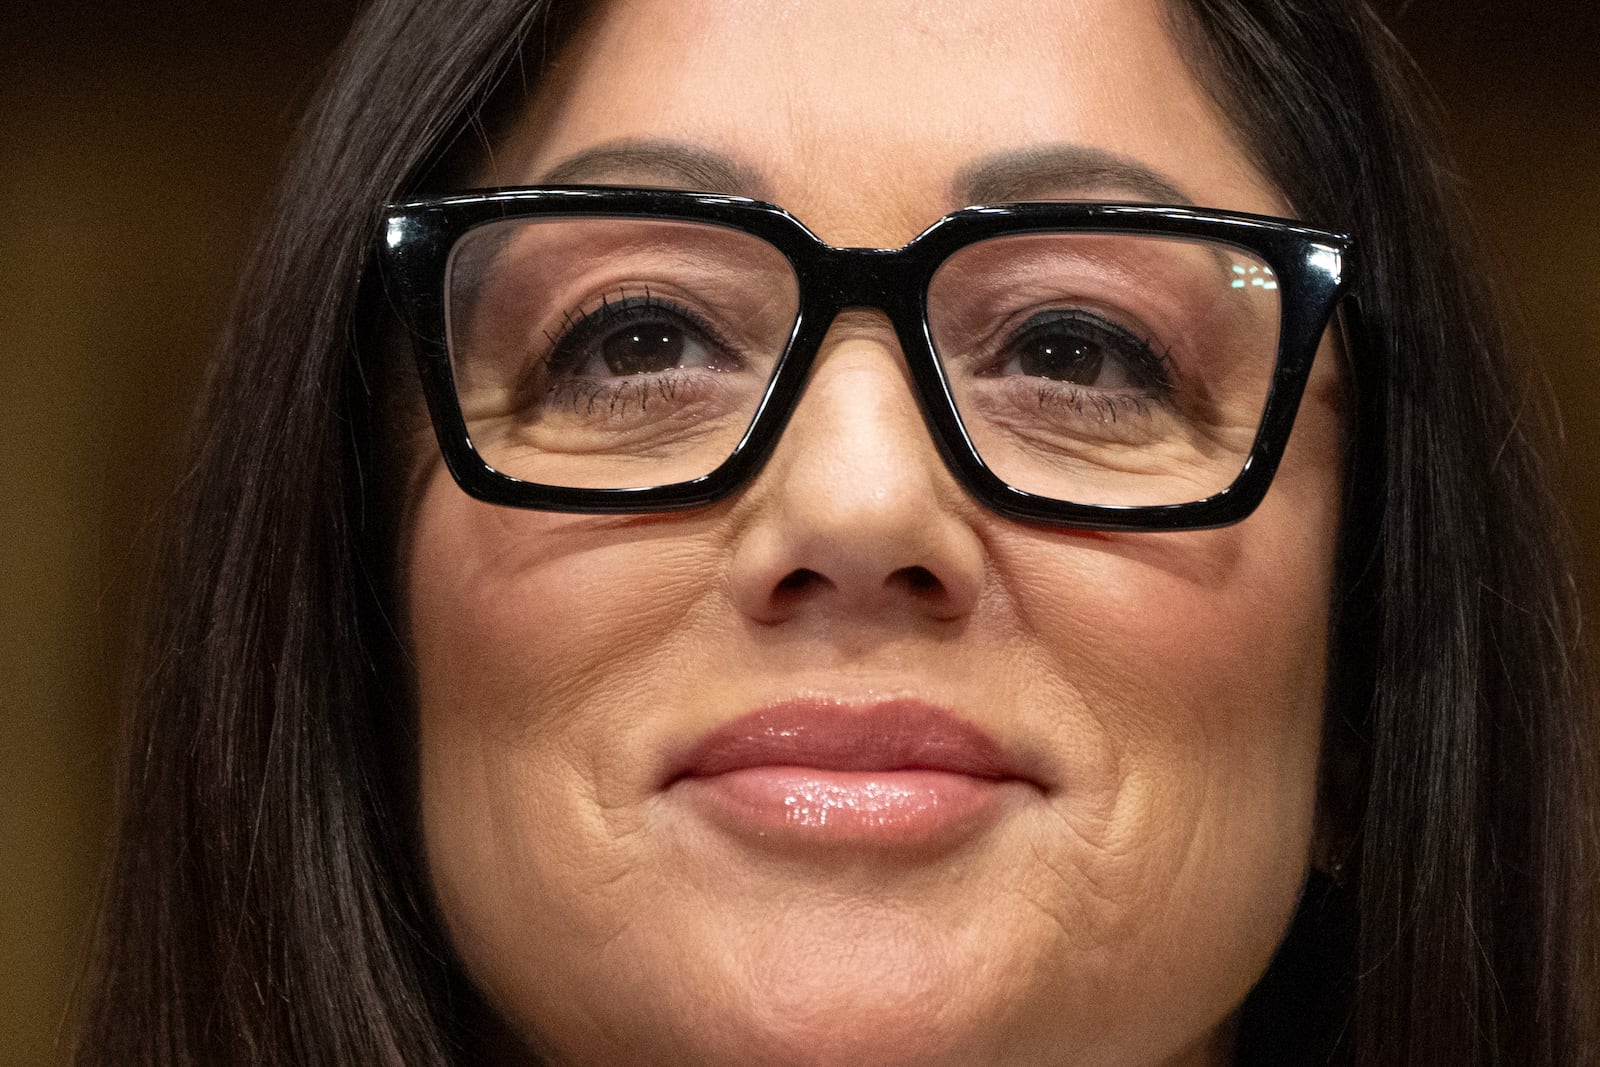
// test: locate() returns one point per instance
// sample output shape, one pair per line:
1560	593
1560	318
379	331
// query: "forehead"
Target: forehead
868	120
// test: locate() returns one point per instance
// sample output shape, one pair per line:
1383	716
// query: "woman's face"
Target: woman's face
847	769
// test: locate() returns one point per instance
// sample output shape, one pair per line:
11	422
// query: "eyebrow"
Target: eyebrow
671	164
1036	173
1051	171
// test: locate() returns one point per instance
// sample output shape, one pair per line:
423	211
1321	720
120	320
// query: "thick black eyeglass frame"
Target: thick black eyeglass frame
419	235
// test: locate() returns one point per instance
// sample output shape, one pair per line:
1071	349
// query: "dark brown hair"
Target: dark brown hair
262	902
1457	668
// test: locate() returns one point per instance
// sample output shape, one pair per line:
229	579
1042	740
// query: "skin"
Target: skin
1168	688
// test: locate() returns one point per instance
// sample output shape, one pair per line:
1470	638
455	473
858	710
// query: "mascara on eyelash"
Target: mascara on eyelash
579	328
1105	404
1136	354
591	395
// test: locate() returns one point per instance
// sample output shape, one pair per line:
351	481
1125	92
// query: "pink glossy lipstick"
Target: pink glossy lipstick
897	772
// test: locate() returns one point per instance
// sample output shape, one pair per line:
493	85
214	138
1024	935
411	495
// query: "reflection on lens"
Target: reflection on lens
614	353
1108	368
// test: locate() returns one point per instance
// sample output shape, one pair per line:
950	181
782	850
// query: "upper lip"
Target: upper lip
840	735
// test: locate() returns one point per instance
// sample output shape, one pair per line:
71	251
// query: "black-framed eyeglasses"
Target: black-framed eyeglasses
1110	366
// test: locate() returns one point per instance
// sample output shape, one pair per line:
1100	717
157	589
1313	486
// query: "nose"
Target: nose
855	514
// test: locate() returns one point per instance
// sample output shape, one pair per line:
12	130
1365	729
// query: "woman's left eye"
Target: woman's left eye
1082	349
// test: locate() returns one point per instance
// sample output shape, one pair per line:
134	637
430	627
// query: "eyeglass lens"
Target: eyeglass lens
624	353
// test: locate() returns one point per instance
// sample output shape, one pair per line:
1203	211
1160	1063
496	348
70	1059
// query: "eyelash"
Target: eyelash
567	348
1148	369
588	396
579	327
1105	406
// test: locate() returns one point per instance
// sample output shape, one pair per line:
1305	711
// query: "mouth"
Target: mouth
899	773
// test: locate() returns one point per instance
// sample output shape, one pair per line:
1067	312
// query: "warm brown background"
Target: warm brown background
136	145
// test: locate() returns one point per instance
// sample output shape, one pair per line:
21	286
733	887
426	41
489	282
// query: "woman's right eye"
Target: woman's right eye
636	336
654	346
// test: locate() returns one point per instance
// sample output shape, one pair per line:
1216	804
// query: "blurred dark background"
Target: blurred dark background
137	145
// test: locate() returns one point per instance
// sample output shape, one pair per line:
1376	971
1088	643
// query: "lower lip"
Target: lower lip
906	807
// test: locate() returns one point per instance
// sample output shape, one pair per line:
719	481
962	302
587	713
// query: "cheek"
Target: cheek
1189	672
531	635
517	616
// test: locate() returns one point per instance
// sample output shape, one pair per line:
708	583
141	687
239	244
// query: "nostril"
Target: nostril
799	580
918	579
